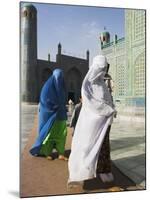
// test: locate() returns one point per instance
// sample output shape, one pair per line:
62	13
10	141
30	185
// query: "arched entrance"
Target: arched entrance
73	84
45	75
139	75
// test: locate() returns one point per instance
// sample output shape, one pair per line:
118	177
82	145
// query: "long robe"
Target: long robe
94	119
52	108
104	159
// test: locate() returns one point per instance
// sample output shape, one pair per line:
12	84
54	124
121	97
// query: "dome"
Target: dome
105	37
105	33
29	7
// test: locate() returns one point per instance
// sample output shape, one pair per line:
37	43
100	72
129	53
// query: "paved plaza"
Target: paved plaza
127	143
128	149
27	115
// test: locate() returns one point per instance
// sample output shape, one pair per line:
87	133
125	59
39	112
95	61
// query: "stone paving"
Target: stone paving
27	116
127	143
128	149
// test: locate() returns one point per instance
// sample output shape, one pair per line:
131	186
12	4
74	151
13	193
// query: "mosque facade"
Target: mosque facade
34	71
126	57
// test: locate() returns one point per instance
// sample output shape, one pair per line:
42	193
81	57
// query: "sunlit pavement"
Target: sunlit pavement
27	115
127	143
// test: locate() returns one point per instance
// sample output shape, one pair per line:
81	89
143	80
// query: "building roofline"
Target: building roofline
73	57
112	43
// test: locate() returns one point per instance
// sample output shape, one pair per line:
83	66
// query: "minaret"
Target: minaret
87	56
49	57
58	57
115	39
59	49
29	53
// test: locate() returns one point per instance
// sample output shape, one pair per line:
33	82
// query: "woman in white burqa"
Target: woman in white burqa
95	117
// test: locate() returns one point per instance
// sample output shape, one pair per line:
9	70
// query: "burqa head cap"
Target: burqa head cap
99	61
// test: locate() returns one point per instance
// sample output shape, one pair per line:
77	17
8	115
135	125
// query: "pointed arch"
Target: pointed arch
139	79
73	84
46	74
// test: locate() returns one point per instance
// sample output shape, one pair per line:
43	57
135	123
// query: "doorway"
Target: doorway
71	96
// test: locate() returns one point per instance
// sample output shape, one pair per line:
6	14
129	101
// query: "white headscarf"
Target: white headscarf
97	69
94	90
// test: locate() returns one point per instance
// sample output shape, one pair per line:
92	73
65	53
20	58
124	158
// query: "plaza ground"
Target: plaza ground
43	177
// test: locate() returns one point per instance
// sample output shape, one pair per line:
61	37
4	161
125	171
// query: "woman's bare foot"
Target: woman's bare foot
75	185
61	157
115	189
49	158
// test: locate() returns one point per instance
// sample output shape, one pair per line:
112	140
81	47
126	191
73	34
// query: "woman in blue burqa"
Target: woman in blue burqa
52	118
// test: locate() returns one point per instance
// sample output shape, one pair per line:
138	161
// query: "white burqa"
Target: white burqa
95	116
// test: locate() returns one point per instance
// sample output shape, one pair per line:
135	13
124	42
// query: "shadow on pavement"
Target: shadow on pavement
135	167
120	180
126	142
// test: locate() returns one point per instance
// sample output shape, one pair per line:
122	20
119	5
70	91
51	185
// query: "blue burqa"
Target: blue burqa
52	107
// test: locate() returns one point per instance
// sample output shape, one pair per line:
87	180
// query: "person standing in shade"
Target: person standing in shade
95	117
52	118
75	115
104	161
